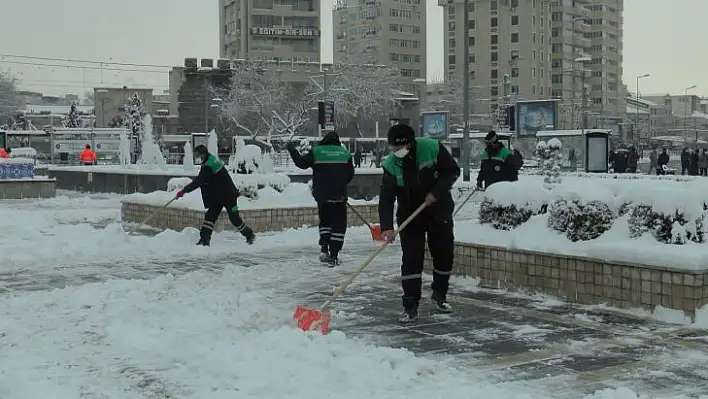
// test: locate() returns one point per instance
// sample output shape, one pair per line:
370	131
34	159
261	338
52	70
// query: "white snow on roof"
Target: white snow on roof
56	109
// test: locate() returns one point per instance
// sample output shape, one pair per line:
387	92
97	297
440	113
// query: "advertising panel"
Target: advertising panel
534	116
435	125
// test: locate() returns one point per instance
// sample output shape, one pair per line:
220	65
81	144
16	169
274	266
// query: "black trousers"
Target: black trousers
441	244
333	225
212	215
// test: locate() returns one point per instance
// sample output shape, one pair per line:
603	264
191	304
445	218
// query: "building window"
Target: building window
451	10
451	42
514	37
471	41
494	39
514	3
495	56
494	22
515	55
472	59
451	59
451	26
555	32
493	5
494	91
494	74
471	24
514	72
514	19
533	89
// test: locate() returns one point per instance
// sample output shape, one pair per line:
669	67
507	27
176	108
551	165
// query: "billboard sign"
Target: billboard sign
286	32
326	115
534	116
435	125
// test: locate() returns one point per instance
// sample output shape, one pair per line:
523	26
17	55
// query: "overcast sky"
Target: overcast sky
665	41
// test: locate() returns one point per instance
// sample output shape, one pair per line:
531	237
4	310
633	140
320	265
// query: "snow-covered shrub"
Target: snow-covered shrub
581	210
580	220
549	156
246	158
672	216
177	183
625	208
507	205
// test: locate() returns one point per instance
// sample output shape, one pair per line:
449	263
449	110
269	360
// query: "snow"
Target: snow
151	154
201	335
613	245
293	195
168	170
212	142
509	193
23	152
188	158
17	160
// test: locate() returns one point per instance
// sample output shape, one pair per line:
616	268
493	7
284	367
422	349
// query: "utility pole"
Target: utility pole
466	94
646	75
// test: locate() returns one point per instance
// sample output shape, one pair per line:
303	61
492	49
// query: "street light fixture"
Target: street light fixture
646	75
685	113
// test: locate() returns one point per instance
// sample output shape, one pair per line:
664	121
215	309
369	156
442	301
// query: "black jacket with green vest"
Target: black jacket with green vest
332	168
217	186
428	168
501	166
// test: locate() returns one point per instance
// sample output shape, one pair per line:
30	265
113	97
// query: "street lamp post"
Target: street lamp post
102	93
646	75
575	59
466	94
685	113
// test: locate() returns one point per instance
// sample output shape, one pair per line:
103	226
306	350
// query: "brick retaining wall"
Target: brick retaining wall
583	280
259	219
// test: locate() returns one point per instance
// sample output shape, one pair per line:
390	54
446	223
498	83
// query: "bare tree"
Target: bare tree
446	96
360	88
9	103
262	103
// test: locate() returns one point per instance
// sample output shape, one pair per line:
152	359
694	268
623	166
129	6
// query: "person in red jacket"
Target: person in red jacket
4	154
88	156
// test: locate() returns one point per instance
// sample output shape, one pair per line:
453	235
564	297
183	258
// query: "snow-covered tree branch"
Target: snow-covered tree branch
262	103
360	89
447	95
8	97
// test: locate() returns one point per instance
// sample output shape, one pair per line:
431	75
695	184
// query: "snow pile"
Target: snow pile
150	152
247	159
177	183
188	159
16	161
23	152
507	205
212	143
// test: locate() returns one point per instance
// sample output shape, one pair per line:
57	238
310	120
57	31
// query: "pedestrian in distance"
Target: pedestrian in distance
419	170
332	170
218	192
498	163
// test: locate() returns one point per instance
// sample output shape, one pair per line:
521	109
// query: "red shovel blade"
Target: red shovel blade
312	320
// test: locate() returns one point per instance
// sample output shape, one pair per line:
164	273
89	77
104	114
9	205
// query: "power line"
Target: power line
27	57
81	67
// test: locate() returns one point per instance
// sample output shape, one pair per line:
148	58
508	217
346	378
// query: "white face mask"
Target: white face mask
401	153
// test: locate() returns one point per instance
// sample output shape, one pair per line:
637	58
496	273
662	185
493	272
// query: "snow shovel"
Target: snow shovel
459	208
309	319
374	229
152	215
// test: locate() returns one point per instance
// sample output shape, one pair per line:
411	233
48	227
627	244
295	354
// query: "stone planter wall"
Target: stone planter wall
259	219
582	280
30	188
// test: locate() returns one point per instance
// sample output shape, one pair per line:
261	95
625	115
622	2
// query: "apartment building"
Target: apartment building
281	30
587	48
385	32
681	105
507	37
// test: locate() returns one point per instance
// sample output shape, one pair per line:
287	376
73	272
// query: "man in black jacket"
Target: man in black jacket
332	170
419	170
498	163
218	192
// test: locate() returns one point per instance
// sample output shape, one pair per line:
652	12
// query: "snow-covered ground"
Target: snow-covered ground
199	335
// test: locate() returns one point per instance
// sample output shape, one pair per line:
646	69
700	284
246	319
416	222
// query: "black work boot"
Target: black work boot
410	310
203	242
440	301
249	234
324	253
333	260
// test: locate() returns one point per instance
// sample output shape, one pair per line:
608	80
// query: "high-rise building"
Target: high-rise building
507	37
270	29
587	48
385	32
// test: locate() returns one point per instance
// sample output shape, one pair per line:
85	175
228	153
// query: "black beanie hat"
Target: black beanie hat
400	135
201	150
491	137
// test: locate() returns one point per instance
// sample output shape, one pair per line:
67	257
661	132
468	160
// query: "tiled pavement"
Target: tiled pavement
569	349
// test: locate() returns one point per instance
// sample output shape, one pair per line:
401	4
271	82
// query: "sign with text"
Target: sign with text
289	32
100	145
326	114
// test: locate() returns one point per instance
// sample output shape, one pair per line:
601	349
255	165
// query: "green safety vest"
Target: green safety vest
330	153
213	163
426	155
501	156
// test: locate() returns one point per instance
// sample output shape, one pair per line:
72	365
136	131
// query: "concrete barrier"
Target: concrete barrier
28	188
